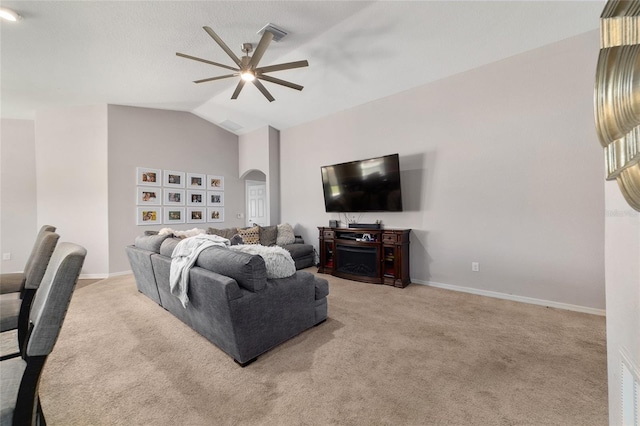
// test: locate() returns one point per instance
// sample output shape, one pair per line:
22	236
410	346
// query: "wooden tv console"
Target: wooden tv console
378	256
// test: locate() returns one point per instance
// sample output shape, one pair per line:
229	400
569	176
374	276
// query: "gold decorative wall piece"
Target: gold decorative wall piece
617	95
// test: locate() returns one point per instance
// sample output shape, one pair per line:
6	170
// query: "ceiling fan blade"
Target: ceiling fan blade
238	89
204	80
280	82
286	66
206	61
223	45
264	90
267	36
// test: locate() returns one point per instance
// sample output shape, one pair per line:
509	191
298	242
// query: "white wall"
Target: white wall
500	165
167	140
622	249
253	151
71	169
260	150
18	222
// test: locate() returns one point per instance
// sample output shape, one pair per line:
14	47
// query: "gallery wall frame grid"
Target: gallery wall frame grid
161	196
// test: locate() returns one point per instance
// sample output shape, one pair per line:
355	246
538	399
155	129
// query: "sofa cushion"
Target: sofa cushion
299	250
250	235
285	235
277	260
268	235
150	242
227	233
249	271
166	249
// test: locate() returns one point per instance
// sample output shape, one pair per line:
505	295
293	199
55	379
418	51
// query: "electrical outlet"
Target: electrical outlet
475	266
6	256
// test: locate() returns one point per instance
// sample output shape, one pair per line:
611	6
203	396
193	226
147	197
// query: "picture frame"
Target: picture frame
174	197
173	179
215	214
215	182
215	198
196	214
148	215
196	198
148	196
196	181
174	215
148	177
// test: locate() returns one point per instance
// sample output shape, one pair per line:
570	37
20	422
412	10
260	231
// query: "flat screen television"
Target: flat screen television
371	185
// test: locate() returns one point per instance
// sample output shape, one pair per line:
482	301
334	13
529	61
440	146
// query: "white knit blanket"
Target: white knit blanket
278	261
183	257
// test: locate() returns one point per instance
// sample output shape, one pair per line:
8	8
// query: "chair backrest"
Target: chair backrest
41	255
36	245
48	241
52	299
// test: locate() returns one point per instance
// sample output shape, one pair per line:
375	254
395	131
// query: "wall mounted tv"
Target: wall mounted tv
371	185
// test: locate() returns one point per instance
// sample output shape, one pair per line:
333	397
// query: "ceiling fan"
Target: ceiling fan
247	66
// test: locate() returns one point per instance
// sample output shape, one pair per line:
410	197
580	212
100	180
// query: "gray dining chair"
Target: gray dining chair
20	400
14	282
14	310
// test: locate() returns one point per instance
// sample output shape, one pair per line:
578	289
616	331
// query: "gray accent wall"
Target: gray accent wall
500	165
167	140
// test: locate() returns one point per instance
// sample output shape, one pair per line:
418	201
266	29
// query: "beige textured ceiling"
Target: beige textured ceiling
123	52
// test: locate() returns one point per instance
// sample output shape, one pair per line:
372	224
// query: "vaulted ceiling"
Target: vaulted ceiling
123	52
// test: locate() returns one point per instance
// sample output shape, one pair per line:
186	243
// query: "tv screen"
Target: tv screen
371	185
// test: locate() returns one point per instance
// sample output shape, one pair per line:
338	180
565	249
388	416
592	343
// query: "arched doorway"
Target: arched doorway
257	204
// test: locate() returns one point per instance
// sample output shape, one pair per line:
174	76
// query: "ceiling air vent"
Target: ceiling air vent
278	33
230	125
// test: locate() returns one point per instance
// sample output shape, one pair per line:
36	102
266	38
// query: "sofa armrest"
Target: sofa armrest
322	288
321	284
213	284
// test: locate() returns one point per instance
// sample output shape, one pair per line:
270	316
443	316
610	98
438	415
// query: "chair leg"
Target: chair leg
40	421
25	411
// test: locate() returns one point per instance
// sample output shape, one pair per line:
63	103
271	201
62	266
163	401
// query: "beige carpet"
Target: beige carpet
385	356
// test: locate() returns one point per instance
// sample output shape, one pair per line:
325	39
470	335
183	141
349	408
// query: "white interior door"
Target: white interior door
256	203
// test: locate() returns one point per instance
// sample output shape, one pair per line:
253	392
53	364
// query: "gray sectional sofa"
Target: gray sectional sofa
231	301
302	254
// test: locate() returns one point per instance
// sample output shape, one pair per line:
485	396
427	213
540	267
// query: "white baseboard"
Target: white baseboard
103	276
93	276
513	297
118	274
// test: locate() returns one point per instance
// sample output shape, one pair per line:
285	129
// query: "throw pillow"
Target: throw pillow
268	235
227	233
285	235
250	235
235	240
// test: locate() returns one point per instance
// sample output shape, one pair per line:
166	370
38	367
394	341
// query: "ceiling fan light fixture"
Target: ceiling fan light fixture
9	15
248	75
